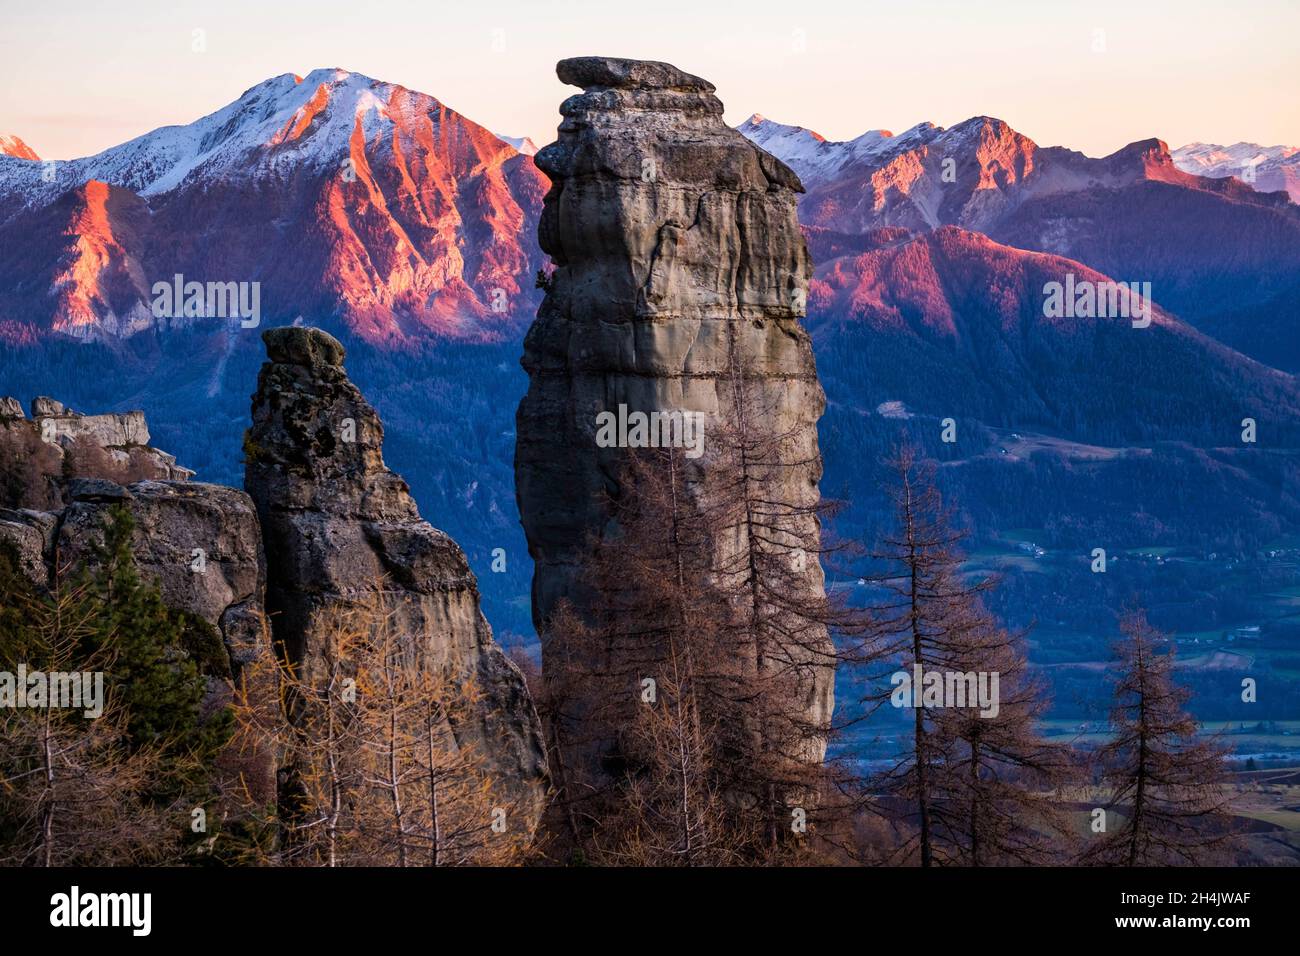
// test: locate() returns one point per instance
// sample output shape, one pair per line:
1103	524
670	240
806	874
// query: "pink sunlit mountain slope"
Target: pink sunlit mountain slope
965	315
15	147
1218	253
343	196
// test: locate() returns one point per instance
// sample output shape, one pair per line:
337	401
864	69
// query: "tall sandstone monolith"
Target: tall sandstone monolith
338	524
679	269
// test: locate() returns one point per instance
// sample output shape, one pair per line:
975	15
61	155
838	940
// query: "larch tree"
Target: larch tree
999	795
689	683
75	787
764	512
374	773
707	588
1167	787
975	776
643	687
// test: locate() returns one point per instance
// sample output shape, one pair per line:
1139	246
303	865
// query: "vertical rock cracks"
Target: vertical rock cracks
680	278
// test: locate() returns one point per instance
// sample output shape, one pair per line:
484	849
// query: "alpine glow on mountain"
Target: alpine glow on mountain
15	147
1219	254
341	195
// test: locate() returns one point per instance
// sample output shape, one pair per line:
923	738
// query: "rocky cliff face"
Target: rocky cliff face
323	513
199	542
113	445
338	523
679	268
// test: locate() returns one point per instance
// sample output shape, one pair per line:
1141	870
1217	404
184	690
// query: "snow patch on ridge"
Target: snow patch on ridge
255	137
817	159
1266	168
521	143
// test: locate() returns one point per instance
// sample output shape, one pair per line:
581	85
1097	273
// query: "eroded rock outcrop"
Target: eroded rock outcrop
679	269
123	437
337	523
200	543
40	456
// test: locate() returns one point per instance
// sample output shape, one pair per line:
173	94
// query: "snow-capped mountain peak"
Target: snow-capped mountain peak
810	154
393	212
1266	168
521	143
1211	159
273	128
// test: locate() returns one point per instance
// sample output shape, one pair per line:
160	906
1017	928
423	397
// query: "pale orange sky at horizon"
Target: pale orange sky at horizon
78	78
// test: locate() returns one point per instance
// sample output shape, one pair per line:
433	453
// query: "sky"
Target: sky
77	77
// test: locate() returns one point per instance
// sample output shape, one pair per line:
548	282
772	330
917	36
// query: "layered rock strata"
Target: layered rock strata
679	271
338	524
123	437
200	543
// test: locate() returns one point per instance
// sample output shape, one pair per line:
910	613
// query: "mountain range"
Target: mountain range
1218	253
410	231
339	194
934	251
1266	168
